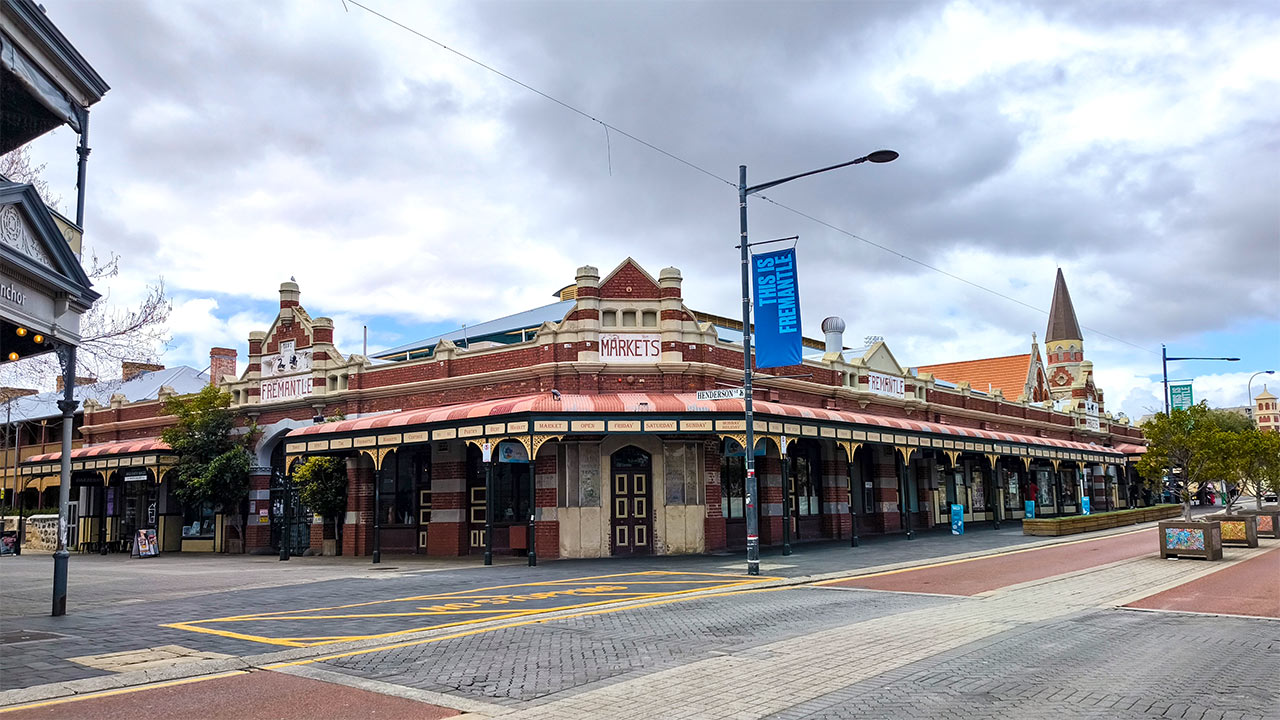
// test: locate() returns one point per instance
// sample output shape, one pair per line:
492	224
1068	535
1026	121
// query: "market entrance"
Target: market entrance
632	473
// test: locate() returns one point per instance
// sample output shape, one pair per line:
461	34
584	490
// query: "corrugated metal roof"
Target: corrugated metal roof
143	387
554	312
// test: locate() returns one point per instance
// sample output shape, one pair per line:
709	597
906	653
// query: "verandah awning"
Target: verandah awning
548	414
142	452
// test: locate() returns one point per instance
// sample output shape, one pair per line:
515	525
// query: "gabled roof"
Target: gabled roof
145	386
1062	314
529	319
52	260
1009	373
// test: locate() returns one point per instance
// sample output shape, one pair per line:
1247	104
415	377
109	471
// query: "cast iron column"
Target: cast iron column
67	357
488	512
853	510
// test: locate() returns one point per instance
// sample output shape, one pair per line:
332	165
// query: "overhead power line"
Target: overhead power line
698	168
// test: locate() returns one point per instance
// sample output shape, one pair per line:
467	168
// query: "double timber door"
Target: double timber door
632	524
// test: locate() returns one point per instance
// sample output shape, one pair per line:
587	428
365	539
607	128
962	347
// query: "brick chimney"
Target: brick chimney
130	369
222	361
80	381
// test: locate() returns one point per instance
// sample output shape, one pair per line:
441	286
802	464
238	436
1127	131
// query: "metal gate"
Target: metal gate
289	519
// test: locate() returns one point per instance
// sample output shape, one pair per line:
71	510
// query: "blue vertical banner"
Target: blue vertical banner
1084	505
1029	509
957	519
777	308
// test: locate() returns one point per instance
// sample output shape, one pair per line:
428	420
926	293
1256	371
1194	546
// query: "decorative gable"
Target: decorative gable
629	281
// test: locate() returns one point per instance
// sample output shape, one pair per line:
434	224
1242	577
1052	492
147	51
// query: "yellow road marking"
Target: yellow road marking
972	559
463	598
366	651
466	633
122	691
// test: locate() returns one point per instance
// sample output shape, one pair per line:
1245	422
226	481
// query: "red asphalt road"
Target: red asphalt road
1248	588
247	696
971	577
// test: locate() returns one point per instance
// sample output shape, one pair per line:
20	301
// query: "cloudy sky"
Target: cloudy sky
1136	145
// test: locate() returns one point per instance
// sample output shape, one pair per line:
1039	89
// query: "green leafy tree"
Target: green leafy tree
213	462
322	486
1255	462
1184	450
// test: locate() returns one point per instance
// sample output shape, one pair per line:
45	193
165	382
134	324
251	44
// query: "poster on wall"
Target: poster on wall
777	309
144	544
957	519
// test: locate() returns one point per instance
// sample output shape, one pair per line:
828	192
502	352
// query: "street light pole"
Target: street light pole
749	455
1165	359
1251	377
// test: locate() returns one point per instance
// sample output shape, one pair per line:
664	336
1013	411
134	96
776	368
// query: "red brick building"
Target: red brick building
599	441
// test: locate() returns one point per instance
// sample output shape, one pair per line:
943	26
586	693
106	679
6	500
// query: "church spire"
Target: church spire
1062	315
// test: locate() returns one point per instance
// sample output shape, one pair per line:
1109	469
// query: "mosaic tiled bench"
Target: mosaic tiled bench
1191	539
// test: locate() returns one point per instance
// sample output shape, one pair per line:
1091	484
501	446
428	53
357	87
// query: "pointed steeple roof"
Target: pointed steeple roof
1062	315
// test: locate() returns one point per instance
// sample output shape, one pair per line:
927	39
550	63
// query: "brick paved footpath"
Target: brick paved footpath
1053	646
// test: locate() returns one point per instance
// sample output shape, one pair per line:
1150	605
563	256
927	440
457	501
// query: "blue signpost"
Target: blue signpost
777	309
957	519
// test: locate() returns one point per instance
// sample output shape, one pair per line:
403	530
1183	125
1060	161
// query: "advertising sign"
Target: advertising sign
1029	509
512	452
886	384
777	309
144	544
1180	396
1084	505
957	519
630	347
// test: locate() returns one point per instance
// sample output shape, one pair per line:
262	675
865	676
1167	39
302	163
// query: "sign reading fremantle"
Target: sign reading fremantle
630	348
777	309
281	389
886	384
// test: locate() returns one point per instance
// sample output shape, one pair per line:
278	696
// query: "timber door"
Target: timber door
632	526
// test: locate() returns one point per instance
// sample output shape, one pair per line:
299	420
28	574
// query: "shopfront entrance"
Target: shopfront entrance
632	523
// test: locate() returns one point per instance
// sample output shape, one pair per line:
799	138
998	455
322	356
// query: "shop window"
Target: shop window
609	318
1067	488
733	481
628	318
805	480
649	318
399	475
197	521
511	492
977	489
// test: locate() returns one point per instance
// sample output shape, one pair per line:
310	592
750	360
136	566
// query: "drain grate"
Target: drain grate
13	637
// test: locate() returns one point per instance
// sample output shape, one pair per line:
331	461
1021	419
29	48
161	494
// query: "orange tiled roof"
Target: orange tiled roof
1007	373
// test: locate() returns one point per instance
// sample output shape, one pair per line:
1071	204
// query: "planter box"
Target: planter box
1238	530
1268	520
1191	539
1100	521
